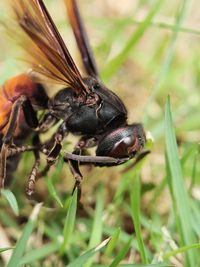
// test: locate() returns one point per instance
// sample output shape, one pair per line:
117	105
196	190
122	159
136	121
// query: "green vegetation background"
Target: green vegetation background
146	50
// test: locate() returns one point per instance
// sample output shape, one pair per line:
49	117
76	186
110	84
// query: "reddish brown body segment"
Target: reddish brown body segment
10	92
20	98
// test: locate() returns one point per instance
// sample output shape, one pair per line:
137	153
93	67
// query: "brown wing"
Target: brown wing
47	51
81	38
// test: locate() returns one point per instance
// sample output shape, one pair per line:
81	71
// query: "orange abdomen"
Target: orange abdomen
11	91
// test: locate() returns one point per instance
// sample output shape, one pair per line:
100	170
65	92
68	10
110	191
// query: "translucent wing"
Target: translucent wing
47	51
81	38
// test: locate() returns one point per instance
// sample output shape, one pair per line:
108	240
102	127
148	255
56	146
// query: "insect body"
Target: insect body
85	106
20	97
104	120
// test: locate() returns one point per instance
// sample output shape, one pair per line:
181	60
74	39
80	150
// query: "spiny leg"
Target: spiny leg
74	168
74	160
3	165
22	103
14	150
47	122
105	161
61	133
34	174
100	161
52	156
30	189
84	142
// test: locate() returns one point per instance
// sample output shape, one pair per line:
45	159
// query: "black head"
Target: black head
122	142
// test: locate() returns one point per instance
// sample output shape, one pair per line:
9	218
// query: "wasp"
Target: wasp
85	106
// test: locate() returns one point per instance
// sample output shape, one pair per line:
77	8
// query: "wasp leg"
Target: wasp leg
55	142
103	161
30	189
57	146
83	143
100	161
74	168
47	122
35	175
14	150
30	116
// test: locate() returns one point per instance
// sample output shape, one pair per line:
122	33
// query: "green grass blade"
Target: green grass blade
139	265
87	255
169	55
177	187
194	170
40	253
116	62
9	196
180	250
22	242
5	249
50	181
69	222
169	26
52	191
113	242
120	256
97	222
196	218
135	213
7	220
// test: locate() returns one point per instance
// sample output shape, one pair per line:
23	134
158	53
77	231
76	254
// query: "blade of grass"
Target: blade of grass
169	56
52	191
196	218
167	255
69	222
22	242
5	249
10	197
121	23
116	62
194	170
123	238
50	232
121	189
138	265
87	255
97	222
120	256
177	187
170	26
135	213
40	253
50	181
8	221
125	179
113	242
